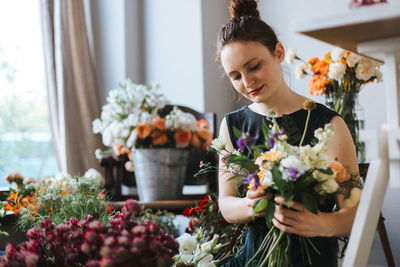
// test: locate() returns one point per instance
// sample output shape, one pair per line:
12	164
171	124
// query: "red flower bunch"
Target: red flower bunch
207	211
90	243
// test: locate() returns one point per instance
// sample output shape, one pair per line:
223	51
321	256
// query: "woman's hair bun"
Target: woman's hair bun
244	8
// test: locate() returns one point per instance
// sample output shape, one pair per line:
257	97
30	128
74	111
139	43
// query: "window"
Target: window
25	135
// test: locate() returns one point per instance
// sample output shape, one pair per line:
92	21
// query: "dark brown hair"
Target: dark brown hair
246	25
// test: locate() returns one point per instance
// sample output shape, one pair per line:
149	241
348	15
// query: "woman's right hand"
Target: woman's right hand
252	197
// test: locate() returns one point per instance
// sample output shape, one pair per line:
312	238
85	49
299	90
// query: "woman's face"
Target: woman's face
253	70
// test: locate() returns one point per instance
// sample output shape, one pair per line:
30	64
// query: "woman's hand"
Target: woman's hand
252	197
298	220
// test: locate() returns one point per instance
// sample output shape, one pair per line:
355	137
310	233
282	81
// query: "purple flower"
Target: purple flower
272	135
252	177
294	173
247	180
246	141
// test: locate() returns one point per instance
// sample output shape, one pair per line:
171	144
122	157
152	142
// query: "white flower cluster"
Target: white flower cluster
191	251
306	158
126	107
179	119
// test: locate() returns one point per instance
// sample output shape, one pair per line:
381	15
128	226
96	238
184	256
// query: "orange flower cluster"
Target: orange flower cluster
320	68
159	135
15	203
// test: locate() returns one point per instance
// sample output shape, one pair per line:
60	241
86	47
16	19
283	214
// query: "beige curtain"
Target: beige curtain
72	92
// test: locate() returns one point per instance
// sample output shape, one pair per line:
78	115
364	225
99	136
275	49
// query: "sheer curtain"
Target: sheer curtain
72	92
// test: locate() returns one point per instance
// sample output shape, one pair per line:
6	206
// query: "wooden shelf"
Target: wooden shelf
354	26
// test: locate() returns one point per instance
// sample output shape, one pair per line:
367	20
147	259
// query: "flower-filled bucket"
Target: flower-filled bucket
160	173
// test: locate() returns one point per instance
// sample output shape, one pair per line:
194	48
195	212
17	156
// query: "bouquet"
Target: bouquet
340	76
89	242
138	116
284	166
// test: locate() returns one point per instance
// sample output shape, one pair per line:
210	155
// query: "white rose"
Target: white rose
355	196
300	71
378	75
290	55
187	121
352	59
336	71
266	179
320	176
218	144
187	243
330	186
337	54
365	69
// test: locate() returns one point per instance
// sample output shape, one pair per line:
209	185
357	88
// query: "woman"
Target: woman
250	54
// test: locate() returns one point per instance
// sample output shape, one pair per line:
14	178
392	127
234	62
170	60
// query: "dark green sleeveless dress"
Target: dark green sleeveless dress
250	122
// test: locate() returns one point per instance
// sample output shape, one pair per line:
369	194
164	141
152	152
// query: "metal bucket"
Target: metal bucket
160	173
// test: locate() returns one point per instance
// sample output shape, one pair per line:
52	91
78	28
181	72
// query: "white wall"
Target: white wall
282	15
173	49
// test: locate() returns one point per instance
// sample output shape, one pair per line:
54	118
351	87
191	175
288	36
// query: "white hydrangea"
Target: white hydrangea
179	119
126	107
93	174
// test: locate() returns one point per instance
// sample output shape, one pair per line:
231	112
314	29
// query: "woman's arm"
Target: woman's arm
302	222
234	209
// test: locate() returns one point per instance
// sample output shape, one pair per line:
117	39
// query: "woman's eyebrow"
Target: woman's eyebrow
244	65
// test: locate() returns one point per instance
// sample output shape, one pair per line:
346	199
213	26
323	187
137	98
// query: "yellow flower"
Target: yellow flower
309	105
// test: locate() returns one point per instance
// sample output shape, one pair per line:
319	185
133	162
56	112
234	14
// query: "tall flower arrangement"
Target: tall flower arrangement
283	166
135	117
339	76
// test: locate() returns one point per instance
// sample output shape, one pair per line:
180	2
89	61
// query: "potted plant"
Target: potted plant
138	119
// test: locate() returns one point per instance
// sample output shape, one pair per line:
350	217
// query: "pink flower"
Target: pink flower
106	262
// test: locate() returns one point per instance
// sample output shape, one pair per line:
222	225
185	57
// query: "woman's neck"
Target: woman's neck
285	103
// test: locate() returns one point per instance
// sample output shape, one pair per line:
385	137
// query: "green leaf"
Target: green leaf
327	171
237	132
265	131
260	205
310	202
269	213
277	178
291	130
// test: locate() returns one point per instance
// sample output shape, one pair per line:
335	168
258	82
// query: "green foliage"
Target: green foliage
291	130
64	198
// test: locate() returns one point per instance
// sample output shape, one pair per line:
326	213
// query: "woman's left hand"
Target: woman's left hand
297	220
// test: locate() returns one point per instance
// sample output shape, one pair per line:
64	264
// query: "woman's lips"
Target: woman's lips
256	91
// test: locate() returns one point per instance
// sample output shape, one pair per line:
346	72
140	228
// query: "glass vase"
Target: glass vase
353	114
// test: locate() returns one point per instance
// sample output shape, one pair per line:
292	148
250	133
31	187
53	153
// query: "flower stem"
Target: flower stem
305	127
274	246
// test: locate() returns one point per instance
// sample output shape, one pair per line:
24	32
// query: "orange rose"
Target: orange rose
321	67
317	84
182	137
195	141
203	123
340	171
312	61
159	124
143	130
203	133
159	138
